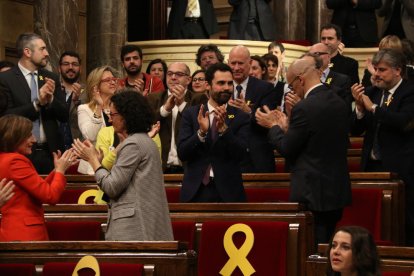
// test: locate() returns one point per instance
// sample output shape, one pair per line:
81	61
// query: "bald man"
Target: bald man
249	94
314	141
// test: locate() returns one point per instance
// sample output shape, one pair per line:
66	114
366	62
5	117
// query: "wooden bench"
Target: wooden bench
160	258
393	259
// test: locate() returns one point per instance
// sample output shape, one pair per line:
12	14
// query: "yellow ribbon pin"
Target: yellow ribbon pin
238	257
40	77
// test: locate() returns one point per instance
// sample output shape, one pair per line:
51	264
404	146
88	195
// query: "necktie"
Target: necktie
213	134
192	4
375	146
239	89
33	96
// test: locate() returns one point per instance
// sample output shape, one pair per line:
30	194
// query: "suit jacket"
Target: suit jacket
138	208
15	86
260	157
396	131
239	19
364	14
23	215
316	146
341	85
177	14
72	107
156	100
407	16
347	66
224	155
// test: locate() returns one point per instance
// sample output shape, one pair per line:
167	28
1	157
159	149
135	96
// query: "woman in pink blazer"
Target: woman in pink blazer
23	215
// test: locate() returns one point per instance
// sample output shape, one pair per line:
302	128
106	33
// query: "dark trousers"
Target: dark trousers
207	193
193	30
42	159
325	224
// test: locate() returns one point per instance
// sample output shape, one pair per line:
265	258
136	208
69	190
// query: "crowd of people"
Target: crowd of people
212	125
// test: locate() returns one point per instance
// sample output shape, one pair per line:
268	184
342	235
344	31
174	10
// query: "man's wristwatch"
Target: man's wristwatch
373	107
201	133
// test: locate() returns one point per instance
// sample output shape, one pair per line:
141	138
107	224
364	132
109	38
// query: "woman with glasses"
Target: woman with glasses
100	86
135	184
198	82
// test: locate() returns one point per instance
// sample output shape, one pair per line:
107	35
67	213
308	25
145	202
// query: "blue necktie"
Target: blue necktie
33	96
239	89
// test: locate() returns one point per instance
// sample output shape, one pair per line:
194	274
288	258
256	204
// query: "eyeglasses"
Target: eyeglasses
178	74
74	64
290	85
320	53
110	80
113	114
199	79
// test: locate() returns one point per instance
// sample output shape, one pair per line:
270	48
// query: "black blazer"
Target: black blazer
347	66
224	155
341	85
315	145
177	14
260	157
239	19
396	132
15	86
364	13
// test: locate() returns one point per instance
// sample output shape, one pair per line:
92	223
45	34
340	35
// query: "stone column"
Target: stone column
106	32
290	17
57	23
317	16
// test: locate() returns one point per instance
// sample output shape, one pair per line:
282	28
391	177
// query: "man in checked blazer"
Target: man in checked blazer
49	107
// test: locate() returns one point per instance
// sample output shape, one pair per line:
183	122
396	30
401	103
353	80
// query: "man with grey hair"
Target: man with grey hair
314	140
34	93
168	107
385	113
249	94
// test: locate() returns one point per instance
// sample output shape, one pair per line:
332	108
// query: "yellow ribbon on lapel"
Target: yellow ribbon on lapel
238	257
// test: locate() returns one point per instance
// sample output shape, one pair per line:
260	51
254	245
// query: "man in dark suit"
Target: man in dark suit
192	19
70	69
33	92
385	113
168	107
398	18
314	140
331	36
340	83
212	140
251	20
249	94
357	20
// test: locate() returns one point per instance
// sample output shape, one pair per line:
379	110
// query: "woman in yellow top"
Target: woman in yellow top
107	142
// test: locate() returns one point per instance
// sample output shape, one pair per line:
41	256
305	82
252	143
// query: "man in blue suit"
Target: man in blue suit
212	141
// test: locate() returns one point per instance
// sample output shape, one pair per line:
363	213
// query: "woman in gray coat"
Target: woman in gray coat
138	208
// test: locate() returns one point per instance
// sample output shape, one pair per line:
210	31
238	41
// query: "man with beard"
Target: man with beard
70	69
385	113
212	141
131	58
33	92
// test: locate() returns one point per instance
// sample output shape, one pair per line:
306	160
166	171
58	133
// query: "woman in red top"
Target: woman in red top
23	215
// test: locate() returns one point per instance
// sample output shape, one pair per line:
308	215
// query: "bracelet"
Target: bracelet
100	167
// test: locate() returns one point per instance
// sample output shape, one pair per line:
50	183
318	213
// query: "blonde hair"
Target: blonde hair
94	79
14	130
390	42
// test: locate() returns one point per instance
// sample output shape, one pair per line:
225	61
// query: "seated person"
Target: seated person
352	251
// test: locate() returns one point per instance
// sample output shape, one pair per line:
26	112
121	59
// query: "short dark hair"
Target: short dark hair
6	63
25	41
364	251
276	44
392	57
270	57
14	129
214	68
71	54
135	110
126	49
208	48
337	29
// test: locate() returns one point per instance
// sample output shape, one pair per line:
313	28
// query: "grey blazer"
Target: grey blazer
138	208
